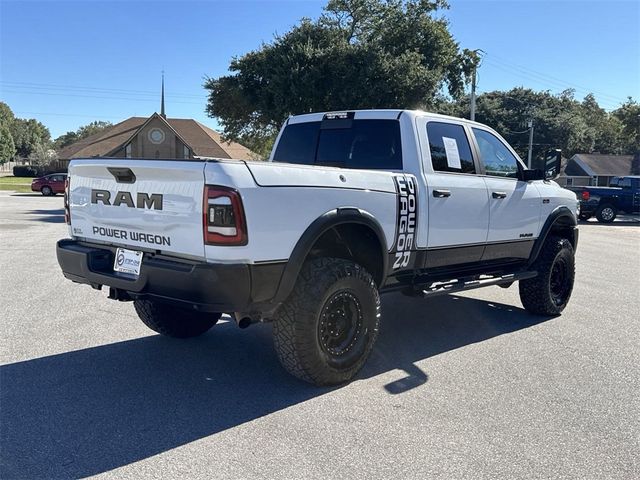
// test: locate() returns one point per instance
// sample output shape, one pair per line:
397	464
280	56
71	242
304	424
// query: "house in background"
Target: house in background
155	137
594	169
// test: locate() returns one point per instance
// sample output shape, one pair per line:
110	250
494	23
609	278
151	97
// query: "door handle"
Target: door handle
499	194
441	193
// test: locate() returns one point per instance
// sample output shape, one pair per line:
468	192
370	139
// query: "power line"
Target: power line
63	114
130	99
54	87
509	64
605	99
604	103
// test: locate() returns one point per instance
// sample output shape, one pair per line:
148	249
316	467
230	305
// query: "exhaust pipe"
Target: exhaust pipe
244	321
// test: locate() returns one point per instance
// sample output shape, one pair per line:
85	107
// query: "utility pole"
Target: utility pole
476	64
530	125
473	95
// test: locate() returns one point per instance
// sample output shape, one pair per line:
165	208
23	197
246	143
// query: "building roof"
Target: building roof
594	164
204	142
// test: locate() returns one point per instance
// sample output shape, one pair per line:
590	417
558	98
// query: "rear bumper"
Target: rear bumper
588	208
203	286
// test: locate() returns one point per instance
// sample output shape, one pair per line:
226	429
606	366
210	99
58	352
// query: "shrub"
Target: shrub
36	170
27	171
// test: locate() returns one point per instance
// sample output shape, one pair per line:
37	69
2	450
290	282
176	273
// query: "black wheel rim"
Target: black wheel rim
340	324
559	281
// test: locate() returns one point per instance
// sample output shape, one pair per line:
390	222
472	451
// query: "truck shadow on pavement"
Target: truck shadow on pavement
55	215
90	411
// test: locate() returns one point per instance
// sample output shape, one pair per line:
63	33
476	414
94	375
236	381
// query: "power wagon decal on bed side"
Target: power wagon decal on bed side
406	223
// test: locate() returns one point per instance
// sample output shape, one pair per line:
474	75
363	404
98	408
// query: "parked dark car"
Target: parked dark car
49	184
623	196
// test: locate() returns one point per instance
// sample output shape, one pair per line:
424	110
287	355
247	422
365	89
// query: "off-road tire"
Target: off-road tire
172	321
606	213
547	294
46	191
302	329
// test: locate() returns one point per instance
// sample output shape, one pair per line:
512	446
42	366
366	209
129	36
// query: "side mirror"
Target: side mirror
552	164
532	174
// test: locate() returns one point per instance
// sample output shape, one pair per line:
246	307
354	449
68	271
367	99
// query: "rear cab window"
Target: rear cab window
450	148
373	144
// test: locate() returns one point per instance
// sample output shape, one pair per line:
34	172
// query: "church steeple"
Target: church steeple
162	114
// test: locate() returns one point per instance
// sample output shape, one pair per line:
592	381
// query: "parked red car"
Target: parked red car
49	184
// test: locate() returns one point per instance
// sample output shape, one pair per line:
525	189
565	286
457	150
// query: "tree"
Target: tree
358	54
7	147
65	139
560	121
6	115
629	116
41	155
28	134
85	131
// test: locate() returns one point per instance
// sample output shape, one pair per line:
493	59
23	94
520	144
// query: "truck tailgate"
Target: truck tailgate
143	204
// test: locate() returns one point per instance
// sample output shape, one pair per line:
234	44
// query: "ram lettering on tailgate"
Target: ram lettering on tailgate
143	200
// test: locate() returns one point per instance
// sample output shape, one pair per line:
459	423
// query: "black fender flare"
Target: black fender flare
560	216
314	231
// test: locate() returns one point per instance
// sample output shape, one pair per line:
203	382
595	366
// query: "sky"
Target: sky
69	63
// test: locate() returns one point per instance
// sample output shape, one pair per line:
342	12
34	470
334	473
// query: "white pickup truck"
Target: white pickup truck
350	204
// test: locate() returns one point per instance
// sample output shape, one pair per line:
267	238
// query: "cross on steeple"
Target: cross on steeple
162	114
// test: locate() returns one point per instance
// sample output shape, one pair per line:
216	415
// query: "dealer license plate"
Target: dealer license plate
128	261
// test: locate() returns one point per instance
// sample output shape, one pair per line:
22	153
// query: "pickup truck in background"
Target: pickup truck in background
349	205
622	196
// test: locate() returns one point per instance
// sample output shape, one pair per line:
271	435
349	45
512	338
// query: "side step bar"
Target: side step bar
462	285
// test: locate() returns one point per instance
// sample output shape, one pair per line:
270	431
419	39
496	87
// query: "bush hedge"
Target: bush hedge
35	170
27	171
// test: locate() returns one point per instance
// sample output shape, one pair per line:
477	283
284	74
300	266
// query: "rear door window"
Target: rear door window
449	147
624	182
366	144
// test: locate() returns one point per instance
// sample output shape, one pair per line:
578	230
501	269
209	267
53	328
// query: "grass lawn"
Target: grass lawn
16	184
16	180
16	188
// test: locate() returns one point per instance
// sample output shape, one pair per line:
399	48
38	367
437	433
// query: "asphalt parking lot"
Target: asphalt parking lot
462	386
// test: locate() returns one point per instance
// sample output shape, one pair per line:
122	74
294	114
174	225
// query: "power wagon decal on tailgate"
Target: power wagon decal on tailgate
407	192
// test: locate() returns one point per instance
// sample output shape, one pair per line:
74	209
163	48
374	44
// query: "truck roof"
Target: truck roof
375	114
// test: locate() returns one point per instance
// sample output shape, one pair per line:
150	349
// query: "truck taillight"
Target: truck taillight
67	212
223	217
585	195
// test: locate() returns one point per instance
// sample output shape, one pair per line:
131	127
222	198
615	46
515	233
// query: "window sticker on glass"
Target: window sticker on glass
451	149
